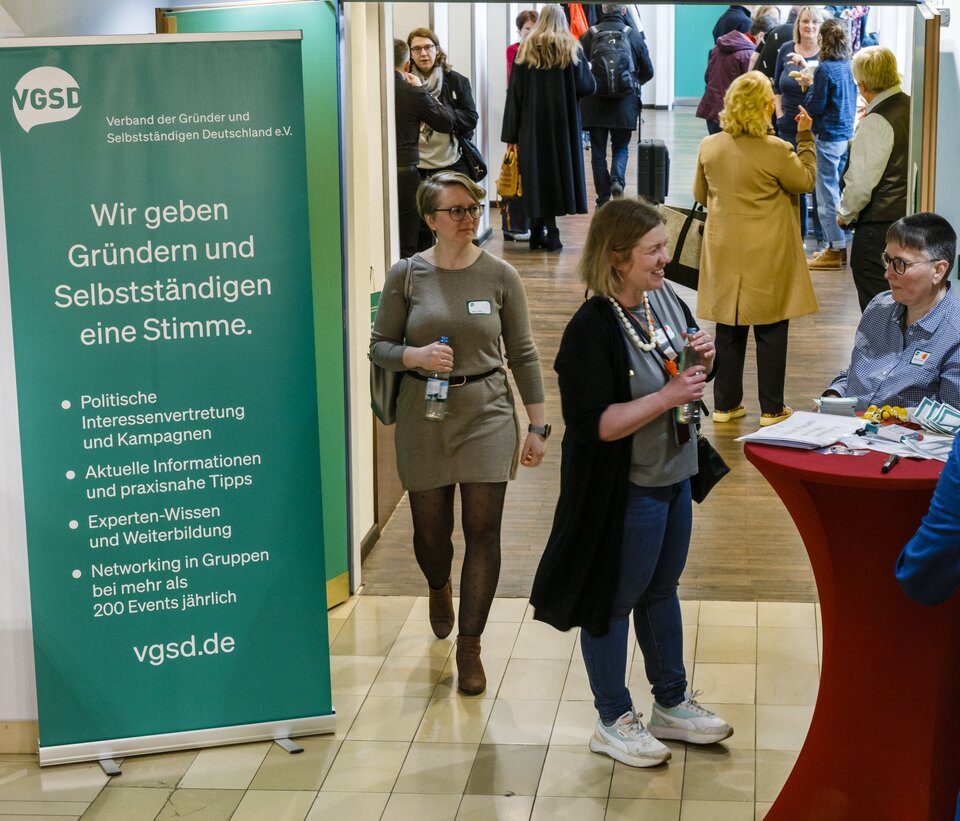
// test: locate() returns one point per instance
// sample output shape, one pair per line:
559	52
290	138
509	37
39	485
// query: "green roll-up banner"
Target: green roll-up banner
157	244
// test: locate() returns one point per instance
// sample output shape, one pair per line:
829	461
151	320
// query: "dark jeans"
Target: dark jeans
408	180
656	537
731	344
619	148
869	242
817	230
425	237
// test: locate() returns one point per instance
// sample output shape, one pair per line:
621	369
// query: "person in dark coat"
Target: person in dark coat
729	58
622	525
615	118
542	118
412	106
765	57
440	151
735	18
516	223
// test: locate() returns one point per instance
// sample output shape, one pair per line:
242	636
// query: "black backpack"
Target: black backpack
611	61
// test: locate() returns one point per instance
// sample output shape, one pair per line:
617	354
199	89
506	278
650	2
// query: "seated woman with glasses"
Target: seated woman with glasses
459	291
907	345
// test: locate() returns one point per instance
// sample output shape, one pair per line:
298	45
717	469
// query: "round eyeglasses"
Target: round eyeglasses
458	212
900	265
422	49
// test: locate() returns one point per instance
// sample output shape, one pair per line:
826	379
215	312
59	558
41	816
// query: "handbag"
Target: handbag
685	237
710	469
384	384
509	184
477	168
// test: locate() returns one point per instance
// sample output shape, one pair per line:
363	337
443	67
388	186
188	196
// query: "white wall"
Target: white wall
948	120
370	188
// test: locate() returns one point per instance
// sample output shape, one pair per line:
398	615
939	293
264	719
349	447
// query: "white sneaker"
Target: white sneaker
689	722
628	742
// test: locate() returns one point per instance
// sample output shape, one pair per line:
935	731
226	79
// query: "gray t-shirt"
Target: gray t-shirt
657	460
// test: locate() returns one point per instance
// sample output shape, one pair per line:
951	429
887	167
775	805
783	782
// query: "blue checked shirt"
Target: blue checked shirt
890	368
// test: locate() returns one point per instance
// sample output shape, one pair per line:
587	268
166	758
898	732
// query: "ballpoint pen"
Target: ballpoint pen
888	465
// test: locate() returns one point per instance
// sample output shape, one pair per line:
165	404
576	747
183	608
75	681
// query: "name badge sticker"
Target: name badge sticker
479	307
665	343
920	357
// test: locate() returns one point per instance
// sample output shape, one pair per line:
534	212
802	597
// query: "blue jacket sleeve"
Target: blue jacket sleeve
929	566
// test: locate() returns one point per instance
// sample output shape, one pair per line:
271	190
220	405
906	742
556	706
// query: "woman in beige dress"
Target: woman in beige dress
753	269
459	291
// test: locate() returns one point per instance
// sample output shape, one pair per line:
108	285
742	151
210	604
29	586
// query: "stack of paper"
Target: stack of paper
938	417
805	430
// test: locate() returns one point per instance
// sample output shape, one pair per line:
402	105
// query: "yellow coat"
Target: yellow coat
753	268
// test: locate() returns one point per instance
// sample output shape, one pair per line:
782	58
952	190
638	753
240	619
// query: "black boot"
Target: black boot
552	242
537	235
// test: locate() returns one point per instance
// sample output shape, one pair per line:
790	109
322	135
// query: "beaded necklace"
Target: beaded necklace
669	365
646	347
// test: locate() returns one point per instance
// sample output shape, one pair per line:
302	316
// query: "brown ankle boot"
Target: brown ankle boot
470	676
441	610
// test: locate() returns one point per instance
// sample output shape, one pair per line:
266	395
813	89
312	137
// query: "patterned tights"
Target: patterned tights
481	515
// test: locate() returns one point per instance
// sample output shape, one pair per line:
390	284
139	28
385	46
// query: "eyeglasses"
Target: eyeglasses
422	49
457	213
900	265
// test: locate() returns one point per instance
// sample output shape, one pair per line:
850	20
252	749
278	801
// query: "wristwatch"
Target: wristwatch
540	430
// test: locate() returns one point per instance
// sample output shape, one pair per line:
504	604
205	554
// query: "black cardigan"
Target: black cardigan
578	573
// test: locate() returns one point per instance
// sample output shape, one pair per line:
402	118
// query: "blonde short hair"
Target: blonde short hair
428	194
613	232
812	12
550	43
876	68
746	105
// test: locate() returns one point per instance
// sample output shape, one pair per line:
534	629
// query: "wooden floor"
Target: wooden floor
745	546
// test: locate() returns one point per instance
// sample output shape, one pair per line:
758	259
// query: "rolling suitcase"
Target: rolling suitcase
653	170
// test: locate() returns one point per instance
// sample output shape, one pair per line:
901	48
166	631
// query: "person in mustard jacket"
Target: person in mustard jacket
753	269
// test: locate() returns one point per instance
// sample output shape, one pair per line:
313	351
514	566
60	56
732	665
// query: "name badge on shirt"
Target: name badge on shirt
665	338
479	307
920	357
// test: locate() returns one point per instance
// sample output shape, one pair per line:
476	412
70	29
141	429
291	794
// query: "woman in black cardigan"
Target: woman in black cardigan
622	526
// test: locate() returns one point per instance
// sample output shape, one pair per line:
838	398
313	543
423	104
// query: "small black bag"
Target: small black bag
473	158
710	469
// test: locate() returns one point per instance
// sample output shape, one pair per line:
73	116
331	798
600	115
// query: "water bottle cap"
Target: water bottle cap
691	330
444	340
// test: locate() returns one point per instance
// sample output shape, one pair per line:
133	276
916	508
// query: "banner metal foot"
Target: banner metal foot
109	766
290	746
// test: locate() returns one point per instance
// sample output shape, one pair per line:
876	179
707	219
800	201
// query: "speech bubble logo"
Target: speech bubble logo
45	95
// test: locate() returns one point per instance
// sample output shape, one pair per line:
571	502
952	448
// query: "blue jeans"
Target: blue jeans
620	148
817	227
831	157
656	537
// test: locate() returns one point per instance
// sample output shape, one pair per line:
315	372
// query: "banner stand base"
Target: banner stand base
106	751
110	767
290	746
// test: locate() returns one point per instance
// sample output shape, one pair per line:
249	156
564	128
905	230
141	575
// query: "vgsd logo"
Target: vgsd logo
45	95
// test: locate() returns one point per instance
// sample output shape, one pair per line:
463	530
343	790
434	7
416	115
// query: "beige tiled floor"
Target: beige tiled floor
409	747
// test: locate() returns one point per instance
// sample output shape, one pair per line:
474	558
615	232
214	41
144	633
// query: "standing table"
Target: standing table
884	741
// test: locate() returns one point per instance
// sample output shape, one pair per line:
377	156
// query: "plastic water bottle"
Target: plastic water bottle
689	412
436	399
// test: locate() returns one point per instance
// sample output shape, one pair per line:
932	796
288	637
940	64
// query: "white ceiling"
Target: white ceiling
8	28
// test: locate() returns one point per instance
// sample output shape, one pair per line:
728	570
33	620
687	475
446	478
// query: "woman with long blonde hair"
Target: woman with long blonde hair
542	118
